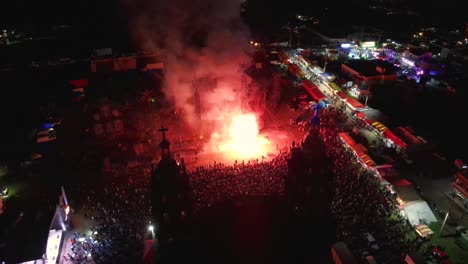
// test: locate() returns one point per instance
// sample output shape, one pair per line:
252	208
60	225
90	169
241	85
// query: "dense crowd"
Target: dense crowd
81	246
362	204
119	214
220	182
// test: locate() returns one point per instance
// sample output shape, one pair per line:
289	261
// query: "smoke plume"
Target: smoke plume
196	39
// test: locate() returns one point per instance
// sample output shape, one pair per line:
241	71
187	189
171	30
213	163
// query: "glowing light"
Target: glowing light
244	139
151	228
408	62
368	44
346	45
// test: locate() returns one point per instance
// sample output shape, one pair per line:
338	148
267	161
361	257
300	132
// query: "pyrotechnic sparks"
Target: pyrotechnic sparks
244	140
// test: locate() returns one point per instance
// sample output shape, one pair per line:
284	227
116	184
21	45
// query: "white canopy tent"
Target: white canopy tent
418	212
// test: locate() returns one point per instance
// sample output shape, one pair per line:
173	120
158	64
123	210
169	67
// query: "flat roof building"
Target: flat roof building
366	73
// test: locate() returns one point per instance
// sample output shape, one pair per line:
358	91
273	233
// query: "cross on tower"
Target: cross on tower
163	131
165	144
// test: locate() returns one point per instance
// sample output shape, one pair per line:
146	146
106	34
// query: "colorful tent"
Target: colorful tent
367	160
347	139
407	136
355	104
394	138
313	90
379	126
423	230
342	95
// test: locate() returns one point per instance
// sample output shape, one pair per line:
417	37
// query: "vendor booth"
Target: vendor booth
418	212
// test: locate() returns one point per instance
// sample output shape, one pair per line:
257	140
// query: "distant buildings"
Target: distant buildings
366	73
106	64
417	54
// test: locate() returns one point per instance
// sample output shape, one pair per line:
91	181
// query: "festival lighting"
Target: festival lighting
151	228
345	45
405	60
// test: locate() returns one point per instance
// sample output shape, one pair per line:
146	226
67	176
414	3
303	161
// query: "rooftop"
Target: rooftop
368	68
419	51
374	114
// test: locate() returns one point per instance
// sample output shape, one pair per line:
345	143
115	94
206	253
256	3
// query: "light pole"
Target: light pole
447	215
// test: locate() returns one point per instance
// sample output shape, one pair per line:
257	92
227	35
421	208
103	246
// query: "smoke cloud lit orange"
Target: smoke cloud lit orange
202	40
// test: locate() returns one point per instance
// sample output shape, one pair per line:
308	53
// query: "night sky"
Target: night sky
28	13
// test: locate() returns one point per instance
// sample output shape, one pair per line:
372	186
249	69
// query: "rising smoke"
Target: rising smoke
196	39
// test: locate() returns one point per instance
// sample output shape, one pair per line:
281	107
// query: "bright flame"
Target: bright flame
244	140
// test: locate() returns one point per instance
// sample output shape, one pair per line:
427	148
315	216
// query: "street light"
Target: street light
151	228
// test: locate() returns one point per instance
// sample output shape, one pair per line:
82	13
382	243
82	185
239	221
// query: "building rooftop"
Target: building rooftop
374	114
419	51
396	48
369	68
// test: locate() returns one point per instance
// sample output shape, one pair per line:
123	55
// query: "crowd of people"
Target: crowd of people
119	216
361	203
120	213
221	182
81	247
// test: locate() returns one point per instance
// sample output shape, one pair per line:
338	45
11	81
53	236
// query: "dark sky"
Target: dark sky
28	13
87	12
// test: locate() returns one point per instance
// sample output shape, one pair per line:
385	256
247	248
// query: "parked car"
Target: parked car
440	255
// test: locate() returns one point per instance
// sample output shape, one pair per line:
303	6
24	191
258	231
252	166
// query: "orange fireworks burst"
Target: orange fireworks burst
244	140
